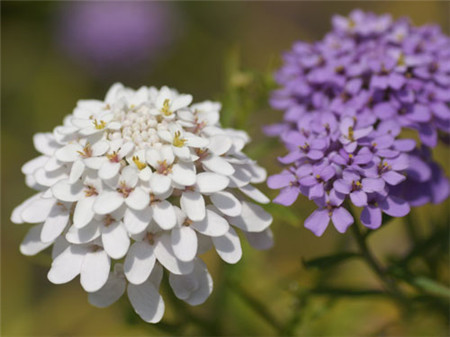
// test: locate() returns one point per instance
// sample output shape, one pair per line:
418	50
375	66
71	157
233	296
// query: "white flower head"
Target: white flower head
140	183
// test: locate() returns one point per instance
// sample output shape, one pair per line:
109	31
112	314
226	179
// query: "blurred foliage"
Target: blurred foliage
226	51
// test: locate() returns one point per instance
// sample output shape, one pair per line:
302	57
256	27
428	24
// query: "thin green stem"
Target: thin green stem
257	306
388	282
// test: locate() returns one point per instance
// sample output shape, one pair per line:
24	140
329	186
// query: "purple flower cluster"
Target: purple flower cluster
347	99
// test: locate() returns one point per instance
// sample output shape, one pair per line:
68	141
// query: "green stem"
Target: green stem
389	283
257	306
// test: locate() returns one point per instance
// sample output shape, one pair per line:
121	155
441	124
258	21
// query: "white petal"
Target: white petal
52	164
194	288
137	221
126	149
65	191
252	219
138	199
146	301
241	177
184	243
182	152
69	153
59	246
252	192
16	215
152	157
107	202
180	102
37	210
159	183
55	224
195	141
67	265
167	154
30	166
212	225
145	174
94	270
46	178
109	293
84	211
84	235
193	204
218	165
139	262
166	256
115	240
204	244
220	144
156	275
45	143
227	203
208	182
164	214
100	148
259	174
76	171
32	244
95	162
228	246
109	170
129	176
184	174
262	240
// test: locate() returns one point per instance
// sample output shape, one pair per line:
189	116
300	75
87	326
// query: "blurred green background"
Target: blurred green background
217	50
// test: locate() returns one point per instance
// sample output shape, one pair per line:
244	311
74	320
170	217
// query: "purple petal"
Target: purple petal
371	217
441	110
280	180
393	177
327	173
428	134
418	170
342	219
396	80
318	221
405	145
394	206
287	196
420	113
308	181
304	170
384	141
384	110
370	185
387	153
350	147
314	154
440	187
316	191
291	157
399	163
342	186
380	82
358	198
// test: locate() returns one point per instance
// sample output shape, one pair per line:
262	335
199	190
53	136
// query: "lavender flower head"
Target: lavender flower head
346	100
115	34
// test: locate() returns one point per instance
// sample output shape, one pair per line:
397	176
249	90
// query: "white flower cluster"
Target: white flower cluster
137	183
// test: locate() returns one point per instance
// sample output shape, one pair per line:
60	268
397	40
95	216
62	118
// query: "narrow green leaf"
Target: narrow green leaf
329	260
